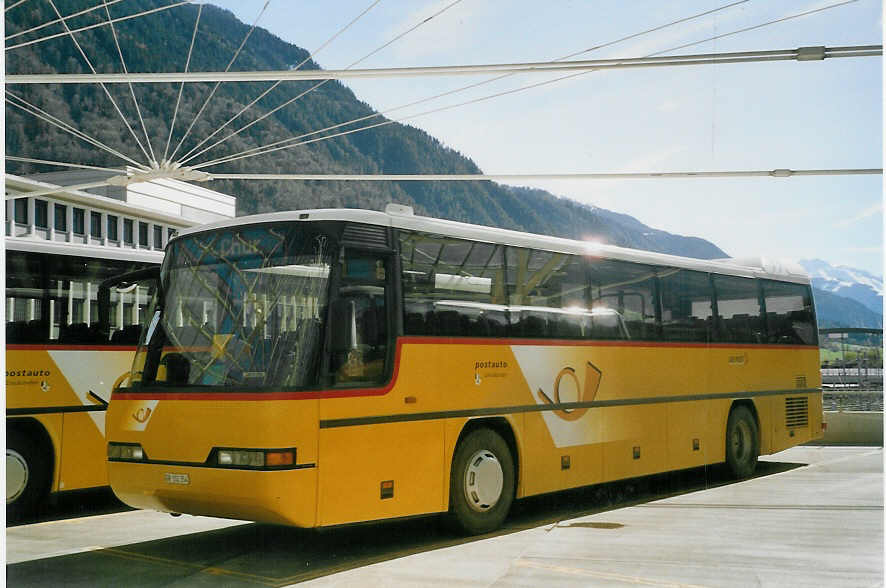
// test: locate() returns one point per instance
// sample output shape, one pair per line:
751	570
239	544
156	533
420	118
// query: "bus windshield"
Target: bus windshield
238	307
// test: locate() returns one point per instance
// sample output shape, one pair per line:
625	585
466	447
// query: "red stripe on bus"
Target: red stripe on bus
418	340
362	392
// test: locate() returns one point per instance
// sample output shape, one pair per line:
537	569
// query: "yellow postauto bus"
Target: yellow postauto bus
325	367
63	356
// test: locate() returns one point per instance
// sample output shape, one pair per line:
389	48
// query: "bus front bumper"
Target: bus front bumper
286	497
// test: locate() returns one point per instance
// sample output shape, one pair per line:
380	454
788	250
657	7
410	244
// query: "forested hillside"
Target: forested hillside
838	311
159	42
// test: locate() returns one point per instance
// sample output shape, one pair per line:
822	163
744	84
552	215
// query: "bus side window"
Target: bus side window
626	291
738	317
26	306
452	287
685	305
789	315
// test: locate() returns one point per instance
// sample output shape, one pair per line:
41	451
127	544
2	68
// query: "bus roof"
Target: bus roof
401	217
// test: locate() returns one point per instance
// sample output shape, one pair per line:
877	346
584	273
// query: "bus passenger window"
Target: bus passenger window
738	310
452	287
623	290
789	315
685	305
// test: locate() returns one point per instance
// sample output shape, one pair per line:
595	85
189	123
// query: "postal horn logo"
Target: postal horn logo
142	415
592	383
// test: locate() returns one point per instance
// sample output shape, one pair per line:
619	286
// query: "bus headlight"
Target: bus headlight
126	451
254	458
241	457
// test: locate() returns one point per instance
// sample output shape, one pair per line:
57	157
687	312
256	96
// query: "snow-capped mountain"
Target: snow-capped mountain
848	282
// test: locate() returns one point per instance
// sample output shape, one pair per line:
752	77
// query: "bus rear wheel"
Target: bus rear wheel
742	442
481	487
27	477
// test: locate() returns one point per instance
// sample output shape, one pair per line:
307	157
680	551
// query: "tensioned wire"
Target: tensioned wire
59	189
107	93
477	84
246	154
131	90
315	86
65	18
217	84
8	8
45	116
278	82
94	26
182	86
60	163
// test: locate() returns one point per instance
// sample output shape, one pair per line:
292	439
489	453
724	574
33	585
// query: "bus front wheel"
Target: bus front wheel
481	487
27	477
742	442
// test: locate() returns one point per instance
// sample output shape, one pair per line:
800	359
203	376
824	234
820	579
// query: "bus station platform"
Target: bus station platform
813	516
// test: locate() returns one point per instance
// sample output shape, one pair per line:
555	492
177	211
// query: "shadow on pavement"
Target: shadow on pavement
75	504
254	554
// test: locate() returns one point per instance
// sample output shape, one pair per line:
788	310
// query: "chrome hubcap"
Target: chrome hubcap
16	475
484	480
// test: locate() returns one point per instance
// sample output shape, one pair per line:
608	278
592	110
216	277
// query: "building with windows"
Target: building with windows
137	216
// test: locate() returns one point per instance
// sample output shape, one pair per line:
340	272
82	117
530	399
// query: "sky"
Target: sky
756	116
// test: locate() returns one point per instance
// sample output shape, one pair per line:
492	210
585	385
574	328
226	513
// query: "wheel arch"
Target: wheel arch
749	404
505	430
36	431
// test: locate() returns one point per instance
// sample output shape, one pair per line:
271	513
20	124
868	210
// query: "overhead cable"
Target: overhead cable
775	173
799	54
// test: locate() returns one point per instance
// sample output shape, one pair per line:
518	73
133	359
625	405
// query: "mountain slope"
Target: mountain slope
160	42
837	311
847	282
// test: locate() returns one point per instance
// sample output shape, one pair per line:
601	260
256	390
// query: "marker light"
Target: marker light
126	451
279	458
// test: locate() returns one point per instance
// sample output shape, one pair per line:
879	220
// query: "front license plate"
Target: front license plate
180	479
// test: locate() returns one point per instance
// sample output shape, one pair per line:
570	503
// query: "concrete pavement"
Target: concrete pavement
815	518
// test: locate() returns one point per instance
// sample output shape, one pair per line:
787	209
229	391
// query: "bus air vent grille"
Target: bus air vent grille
796	412
366	235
